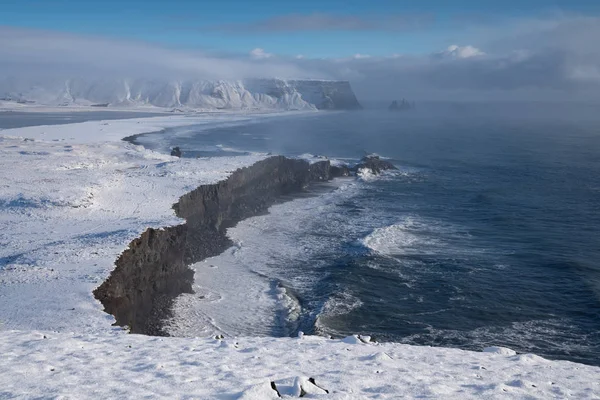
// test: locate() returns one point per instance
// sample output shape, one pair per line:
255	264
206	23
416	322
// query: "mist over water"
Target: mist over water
489	233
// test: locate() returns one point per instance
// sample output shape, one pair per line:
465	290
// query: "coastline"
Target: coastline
154	270
69	210
79	196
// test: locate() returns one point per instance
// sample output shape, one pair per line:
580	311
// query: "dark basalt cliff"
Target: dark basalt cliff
154	270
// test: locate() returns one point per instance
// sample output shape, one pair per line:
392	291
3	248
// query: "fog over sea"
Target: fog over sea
488	234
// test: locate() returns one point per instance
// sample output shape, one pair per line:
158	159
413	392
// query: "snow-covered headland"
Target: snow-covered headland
74	196
178	95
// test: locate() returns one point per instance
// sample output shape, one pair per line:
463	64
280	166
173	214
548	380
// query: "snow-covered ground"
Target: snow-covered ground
81	366
72	202
71	199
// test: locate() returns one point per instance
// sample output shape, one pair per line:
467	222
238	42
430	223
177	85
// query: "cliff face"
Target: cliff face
188	94
328	95
147	277
154	270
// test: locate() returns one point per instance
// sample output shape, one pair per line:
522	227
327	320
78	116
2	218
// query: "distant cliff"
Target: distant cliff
184	95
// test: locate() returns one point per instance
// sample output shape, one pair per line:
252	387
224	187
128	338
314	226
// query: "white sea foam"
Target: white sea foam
265	248
414	235
366	174
406	237
313	158
341	303
242	302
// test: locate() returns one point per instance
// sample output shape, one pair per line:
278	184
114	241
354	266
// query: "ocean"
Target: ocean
20	119
488	233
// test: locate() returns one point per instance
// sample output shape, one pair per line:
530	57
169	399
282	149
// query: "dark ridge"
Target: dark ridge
154	270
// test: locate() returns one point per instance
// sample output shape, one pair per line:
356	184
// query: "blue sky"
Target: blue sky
376	27
428	49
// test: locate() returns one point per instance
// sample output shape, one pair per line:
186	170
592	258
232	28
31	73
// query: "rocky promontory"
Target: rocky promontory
154	270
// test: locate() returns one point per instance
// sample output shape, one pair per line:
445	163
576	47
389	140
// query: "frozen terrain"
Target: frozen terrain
81	366
253	94
73	196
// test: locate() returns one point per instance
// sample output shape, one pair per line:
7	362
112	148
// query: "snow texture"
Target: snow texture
255	94
82	366
69	205
73	196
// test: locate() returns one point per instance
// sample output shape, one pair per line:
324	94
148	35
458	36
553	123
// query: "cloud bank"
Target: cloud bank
540	60
39	53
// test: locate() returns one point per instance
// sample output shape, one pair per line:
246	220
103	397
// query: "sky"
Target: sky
427	48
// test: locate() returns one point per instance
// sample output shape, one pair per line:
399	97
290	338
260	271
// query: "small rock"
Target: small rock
374	164
176	152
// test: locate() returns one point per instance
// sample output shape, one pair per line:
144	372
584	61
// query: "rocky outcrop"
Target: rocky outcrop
339	171
148	276
375	164
320	171
401	106
176	152
154	270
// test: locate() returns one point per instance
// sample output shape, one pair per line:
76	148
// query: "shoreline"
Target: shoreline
71	207
80	195
155	269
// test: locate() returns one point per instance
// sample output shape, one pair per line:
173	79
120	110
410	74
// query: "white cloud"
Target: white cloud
559	57
27	52
259	54
456	51
586	73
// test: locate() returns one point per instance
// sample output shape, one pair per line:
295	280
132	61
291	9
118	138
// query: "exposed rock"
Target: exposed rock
401	106
338	171
375	164
274	387
148	275
176	152
154	270
320	171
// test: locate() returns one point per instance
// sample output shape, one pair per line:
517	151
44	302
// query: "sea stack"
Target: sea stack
401	106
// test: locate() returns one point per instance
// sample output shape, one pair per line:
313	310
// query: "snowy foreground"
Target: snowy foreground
131	366
72	197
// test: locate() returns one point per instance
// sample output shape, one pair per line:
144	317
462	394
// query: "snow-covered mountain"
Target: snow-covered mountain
188	94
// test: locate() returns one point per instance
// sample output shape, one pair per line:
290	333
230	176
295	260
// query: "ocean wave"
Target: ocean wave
406	237
290	310
533	336
341	303
313	158
335	306
412	174
228	149
415	235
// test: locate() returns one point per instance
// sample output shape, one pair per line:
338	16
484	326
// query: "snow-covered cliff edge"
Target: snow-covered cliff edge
187	95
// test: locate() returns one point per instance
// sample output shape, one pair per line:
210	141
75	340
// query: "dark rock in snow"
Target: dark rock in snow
176	152
154	270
